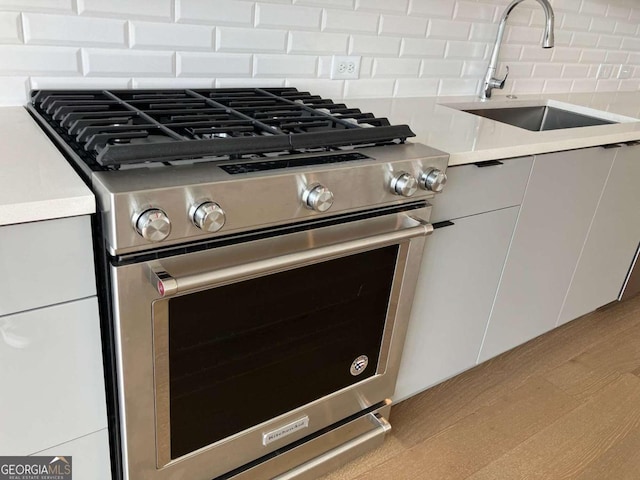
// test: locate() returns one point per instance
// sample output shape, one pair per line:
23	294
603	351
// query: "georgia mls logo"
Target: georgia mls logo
35	468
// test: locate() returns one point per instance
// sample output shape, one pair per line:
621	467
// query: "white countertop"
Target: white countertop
36	181
469	138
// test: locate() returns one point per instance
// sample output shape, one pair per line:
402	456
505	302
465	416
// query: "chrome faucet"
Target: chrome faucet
490	82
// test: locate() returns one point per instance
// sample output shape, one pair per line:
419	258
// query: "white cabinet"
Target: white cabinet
51	376
612	240
44	263
50	350
562	195
88	457
459	276
460	271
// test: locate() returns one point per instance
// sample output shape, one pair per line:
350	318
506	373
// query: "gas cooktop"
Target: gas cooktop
111	129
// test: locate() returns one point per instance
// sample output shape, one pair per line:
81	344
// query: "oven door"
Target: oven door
229	354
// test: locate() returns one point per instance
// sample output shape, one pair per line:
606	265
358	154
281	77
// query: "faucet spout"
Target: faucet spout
548	40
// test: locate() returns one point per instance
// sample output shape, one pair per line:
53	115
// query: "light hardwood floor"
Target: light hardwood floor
565	405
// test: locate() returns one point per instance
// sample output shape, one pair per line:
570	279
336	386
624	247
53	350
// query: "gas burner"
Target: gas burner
109	129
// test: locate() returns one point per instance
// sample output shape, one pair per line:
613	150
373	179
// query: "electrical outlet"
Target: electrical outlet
624	72
604	71
345	67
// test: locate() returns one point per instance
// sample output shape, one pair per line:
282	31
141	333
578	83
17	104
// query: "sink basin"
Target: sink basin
539	118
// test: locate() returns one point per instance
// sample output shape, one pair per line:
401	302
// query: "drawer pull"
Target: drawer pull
488	163
612	145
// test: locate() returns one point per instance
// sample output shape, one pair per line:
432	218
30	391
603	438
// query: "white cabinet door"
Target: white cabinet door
612	241
51	376
557	210
458	279
89	456
44	263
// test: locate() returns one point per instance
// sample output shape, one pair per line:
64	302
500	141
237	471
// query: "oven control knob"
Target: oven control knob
153	225
433	180
404	184
318	198
208	216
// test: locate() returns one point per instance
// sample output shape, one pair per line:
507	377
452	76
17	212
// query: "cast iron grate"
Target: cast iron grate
109	129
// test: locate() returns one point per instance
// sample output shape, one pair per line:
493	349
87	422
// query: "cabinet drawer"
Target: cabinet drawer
89	455
45	263
473	189
51	376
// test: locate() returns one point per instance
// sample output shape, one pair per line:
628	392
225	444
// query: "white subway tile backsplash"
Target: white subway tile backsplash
576	22
632	44
626	28
13	90
536	54
398	6
192	64
584	85
442	69
557	86
347	4
288	16
311	42
475	11
27	60
432	8
396	67
369	88
118	63
448	29
233	82
465	50
483	32
523	35
10	31
150	35
584	40
402	25
592	56
329	89
249	40
80	82
416	87
285	66
616	57
594	7
423	48
407	47
567	5
215	12
153	9
458	86
566	55
38	5
602	25
46	29
575	71
372	45
171	82
547	70
350	22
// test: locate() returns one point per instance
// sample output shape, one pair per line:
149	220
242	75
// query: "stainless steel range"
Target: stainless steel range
259	252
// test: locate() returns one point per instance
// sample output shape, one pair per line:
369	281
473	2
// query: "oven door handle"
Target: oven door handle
168	285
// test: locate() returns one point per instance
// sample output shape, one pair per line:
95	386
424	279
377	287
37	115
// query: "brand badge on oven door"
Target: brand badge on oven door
285	430
359	365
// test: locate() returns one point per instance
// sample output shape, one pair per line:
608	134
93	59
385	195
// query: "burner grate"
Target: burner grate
114	128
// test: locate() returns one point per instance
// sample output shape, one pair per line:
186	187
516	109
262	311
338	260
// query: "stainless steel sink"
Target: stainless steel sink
539	118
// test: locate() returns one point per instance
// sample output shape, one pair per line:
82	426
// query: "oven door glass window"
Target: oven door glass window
244	353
